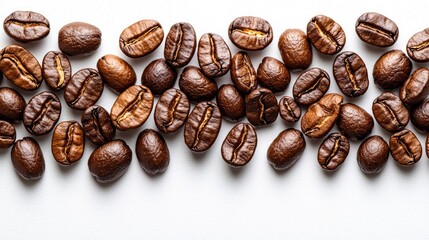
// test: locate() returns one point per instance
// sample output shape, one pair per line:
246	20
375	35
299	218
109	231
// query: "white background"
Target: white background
199	196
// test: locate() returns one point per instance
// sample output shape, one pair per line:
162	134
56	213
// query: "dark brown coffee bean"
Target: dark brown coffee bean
231	103
152	152
418	46
261	107
239	145
326	35
392	69
203	126
197	86
273	74
68	142
310	86
98	127
56	70
390	112
351	74
158	76
84	89
376	29
214	56
180	44
416	88
321	116
290	111
286	149
354	122
141	38
79	39
12	104
171	111
26	26
295	49
372	155
7	134
132	107
27	159
42	113
405	147
116	73
420	116
20	67
243	74
333	151
110	161
250	33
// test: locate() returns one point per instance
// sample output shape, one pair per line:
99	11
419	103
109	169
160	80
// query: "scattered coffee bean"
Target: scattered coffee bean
354	122
231	103
79	39
98	127
416	88
12	104
420	116
326	35
405	147
27	159
261	107
239	145
26	26
295	49
310	86
7	134
171	111
250	33
372	155
333	151
56	70
214	56
286	149
376	29
390	112
290	111
116	73
180	44
418	47
152	152
158	76
273	74
68	142
392	69
351	74
84	89
243	74
196	85
141	38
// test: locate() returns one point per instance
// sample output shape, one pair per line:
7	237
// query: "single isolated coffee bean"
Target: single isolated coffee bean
376	29
171	111
418	47
180	44
68	142
196	85
250	33
231	103
27	159
390	113
326	35
158	76
152	152
295	49
239	145
354	122
56	70
405	147
98	127
261	107
416	88
7	134
333	151
26	26
79	39
273	74
310	86
116	73
290	111
84	89
420	116
12	104
214	56
243	75
392	69
372	155
351	74
286	149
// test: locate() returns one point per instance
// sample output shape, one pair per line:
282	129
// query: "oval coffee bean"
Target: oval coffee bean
243	74
420	116
152	152
196	85
295	49
27	159
351	74
180	44
390	113
376	29
405	147
416	88
79	39
273	74
98	127
7	134
57	70
158	76
286	149
239	145
310	86
214	56
231	103
372	155
84	89
290	111
171	111
68	142
392	69
12	104
261	107
203	126
26	26
354	122
326	35
418	46
116	73
250	33
333	151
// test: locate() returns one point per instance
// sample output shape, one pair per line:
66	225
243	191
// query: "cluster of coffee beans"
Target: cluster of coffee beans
252	94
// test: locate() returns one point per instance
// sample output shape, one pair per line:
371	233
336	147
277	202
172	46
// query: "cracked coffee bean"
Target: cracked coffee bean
333	151
310	86
68	142
180	44
239	145
243	75
98	127
405	147
141	38
7	134
290	111
250	33
326	35
351	74
390	113
56	70
376	29
261	107
418	46
286	149
171	111
372	155
84	89
26	26
214	56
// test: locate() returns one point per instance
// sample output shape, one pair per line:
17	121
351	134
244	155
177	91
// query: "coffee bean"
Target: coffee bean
132	107
310	86
416	88
26	26
372	155
261	107
376	29
243	75
420	116
84	89
231	103
79	39
273	74
321	116
21	67
116	73
214	56
390	112
196	86
68	142
333	151
110	161
152	152
171	111
203	126
27	159
295	49
158	76
56	70
418	47
354	122
290	111
405	147
7	134
392	69
239	145
180	44
141	38
98	127
286	149
326	35
250	33
12	104
351	74
42	113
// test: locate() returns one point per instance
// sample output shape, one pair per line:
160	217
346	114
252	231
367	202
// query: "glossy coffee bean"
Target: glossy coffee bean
68	142
286	149
416	88
180	44
295	49
418	47
116	73
392	69
405	147
351	74
214	56
250	33
231	103
84	89
26	26
239	145
390	113
79	39
310	86
152	152
261	107
158	76
196	85
376	29
290	111
273	74
171	111
98	127
141	38
326	35
372	155
243	75
56	70
27	159
333	151
7	134
12	105
420	116
354	122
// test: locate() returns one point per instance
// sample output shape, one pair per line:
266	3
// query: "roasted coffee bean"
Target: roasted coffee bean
376	29
7	134
416	88
310	86
390	113
372	155
12	104
333	151
27	159
243	74
152	152
26	26
84	89
110	161
418	47
203	126
132	107
116	73
273	74
420	116
20	67
392	69
354	122
180	44
214	56
171	111
295	49
351	74
42	113
196	86
290	111
261	107
250	33
158	76
56	70
68	142
286	149
326	35
239	145
79	39
98	127
231	103
405	147
141	38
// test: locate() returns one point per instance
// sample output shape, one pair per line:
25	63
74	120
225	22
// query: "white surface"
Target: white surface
200	197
